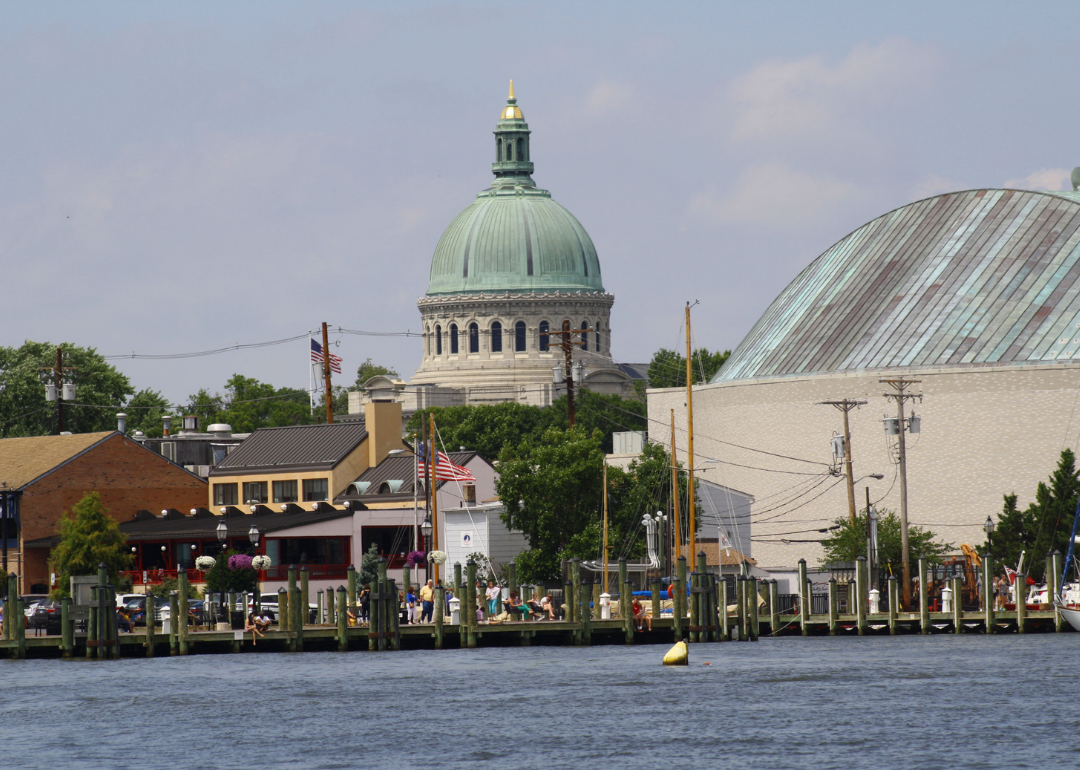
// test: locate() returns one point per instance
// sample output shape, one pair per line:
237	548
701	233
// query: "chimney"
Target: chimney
383	422
121	422
168	425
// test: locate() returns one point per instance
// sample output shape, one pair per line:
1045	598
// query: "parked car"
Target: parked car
136	606
196	611
46	616
31	601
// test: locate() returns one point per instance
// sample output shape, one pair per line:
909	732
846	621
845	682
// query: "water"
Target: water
877	702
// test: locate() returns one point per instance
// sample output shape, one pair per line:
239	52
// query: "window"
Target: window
310	550
453	339
225	494
438	340
315	489
509	150
584	335
285	492
544	328
520	143
474	338
496	337
519	337
427	341
599	340
254	492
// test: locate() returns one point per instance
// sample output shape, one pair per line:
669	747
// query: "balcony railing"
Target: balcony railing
315	572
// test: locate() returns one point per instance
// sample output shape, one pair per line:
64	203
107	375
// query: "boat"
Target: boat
1069	610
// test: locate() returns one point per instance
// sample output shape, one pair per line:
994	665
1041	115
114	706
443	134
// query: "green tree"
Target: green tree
668	367
604	412
221	578
848	541
101	390
88	537
486	428
551	492
1044	526
249	405
368	369
369	566
145	411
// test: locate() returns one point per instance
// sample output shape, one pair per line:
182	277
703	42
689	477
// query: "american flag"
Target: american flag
446	469
316	355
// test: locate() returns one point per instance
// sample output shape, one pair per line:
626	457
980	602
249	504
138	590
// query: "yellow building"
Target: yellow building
305	464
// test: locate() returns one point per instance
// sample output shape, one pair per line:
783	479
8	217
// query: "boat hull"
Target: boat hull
1072	616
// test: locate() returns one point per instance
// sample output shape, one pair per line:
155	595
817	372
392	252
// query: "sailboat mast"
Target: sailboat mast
677	530
434	502
605	530
691	497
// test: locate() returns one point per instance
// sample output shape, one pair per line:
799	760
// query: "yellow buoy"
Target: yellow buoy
678	655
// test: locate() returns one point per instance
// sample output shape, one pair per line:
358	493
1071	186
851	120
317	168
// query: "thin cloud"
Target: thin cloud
1043	179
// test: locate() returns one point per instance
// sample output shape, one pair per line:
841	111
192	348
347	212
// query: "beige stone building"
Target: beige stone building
975	294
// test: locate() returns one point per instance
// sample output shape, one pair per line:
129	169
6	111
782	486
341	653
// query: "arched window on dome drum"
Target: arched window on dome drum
474	338
584	335
427	341
519	337
509	150
496	337
520	144
438	340
544	329
453	340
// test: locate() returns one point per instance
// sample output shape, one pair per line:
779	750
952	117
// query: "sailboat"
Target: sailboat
1069	610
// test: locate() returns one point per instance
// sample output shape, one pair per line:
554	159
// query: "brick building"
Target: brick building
42	477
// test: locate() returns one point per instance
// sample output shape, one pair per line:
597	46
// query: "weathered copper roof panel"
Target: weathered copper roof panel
980	277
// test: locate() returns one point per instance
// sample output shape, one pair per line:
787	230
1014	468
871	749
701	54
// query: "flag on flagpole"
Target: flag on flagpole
317	356
446	469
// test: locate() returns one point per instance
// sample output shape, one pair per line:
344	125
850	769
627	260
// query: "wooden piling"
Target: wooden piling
988	593
457	582
512	579
151	606
1021	602
296	606
597	589
92	624
394	617
341	615
740	606
385	601
627	590
406	582
67	629
283	609
924	600
862	594
351	589
774	607
754	597
20	629
957	606
586	613
655	590
804	599
834	606
374	617
894	603
577	601
174	622
305	593
12	595
104	621
183	610
440	602
470	573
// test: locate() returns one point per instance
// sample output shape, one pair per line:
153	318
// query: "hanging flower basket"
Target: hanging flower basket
415	557
439	557
261	563
204	563
240	561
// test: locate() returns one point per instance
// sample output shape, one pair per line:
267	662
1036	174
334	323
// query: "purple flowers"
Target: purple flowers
415	557
239	561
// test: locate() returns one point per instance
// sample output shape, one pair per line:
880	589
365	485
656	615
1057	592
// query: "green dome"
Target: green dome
514	237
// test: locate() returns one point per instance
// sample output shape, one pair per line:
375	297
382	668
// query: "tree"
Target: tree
249	405
369	566
848	541
552	493
101	390
221	577
145	411
605	412
1044	526
668	367
88	537
367	370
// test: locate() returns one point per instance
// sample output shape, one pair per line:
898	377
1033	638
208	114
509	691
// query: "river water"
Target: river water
819	702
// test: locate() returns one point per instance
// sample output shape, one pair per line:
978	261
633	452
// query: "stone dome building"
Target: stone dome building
974	294
510	268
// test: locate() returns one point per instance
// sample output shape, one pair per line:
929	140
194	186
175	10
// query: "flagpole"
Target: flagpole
310	376
434	500
326	372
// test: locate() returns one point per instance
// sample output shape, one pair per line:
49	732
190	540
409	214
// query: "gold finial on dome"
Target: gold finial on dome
511	111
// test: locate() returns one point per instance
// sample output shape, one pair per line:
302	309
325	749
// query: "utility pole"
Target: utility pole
899	394
676	537
870	561
845	406
326	374
58	391
567	346
692	497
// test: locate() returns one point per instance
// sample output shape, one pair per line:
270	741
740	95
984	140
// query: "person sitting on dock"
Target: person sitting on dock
123	619
252	625
262	622
427	601
547	604
639	614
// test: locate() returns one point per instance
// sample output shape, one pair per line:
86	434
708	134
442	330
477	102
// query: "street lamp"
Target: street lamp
989	528
425	532
256	601
222	536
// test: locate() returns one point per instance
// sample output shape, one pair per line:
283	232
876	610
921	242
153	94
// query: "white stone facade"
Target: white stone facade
985	432
489	348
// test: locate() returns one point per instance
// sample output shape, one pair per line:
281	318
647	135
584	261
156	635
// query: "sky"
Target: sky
184	177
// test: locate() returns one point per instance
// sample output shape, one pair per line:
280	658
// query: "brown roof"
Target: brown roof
729	557
300	446
403	468
23	460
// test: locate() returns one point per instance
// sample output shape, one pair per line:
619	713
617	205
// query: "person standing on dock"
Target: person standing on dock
364	601
494	593
410	605
427	601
